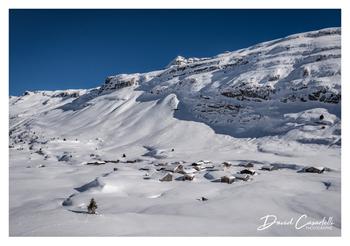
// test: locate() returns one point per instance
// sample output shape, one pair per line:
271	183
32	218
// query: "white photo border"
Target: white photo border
149	4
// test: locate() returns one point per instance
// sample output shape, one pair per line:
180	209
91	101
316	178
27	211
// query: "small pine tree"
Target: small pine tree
92	206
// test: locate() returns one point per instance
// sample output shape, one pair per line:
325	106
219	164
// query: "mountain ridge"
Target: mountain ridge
243	93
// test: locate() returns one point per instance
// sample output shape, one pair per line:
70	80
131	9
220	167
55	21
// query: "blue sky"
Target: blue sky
61	49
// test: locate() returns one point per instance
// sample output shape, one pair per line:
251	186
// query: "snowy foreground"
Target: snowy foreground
211	146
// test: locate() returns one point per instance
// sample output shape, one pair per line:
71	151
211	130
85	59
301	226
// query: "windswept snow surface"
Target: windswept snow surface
276	104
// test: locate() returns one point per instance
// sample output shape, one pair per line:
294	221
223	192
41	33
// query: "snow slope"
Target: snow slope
276	103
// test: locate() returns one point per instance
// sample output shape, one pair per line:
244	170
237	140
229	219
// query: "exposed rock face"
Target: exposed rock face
68	94
325	95
250	92
118	82
321	94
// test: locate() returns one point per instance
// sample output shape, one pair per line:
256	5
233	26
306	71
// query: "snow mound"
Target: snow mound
171	101
96	184
316	115
214	175
157	153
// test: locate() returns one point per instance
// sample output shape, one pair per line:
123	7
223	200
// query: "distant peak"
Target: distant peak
178	61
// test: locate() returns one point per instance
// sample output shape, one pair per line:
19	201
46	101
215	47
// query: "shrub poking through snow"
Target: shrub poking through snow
92	206
203	199
327	184
40	152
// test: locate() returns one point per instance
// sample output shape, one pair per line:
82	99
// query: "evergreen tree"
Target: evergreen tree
92	206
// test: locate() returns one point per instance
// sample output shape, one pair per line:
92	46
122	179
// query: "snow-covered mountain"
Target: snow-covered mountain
241	93
277	101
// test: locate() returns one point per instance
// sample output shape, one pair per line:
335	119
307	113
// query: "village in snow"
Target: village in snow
201	147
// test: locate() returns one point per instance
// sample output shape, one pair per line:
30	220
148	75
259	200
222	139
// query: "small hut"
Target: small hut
227	164
161	164
215	175
268	168
247	171
178	168
167	177
187	170
185	177
313	169
248	164
199	167
244	177
227	179
172	168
